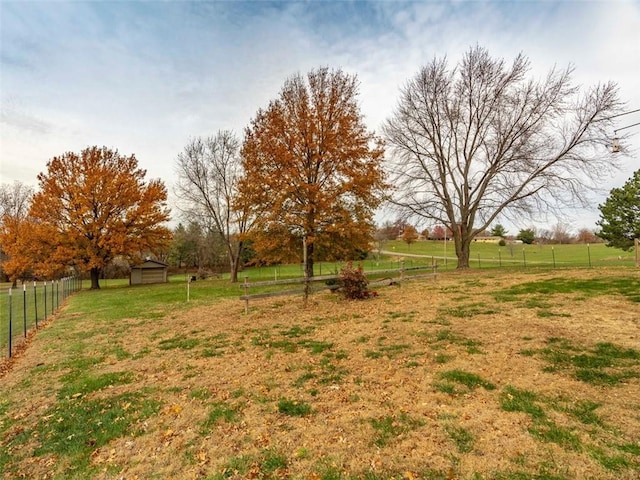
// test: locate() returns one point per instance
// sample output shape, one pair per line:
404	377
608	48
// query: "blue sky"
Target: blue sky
144	77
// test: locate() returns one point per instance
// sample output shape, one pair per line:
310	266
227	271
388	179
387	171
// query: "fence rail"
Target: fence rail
390	276
29	304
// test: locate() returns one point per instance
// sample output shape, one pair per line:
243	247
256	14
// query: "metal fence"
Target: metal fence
29	304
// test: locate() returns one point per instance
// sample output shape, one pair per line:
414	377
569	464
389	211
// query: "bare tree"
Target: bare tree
481	139
208	172
15	199
561	233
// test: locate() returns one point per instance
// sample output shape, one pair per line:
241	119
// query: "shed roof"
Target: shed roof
150	263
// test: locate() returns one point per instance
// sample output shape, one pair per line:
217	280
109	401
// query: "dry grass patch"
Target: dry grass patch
342	389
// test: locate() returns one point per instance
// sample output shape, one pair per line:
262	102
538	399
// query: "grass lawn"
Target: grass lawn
490	374
491	255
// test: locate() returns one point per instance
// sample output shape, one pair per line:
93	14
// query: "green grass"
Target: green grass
387	350
602	364
27	306
467	310
270	463
462	438
513	399
389	427
82	382
492	255
73	428
585	412
454	378
180	342
220	412
294	408
589	287
448	336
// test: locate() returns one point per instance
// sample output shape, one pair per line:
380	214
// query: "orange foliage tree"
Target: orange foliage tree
15	199
312	171
409	235
91	208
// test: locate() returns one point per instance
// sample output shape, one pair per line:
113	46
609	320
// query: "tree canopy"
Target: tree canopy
91	207
312	170
481	139
620	215
15	199
498	230
526	235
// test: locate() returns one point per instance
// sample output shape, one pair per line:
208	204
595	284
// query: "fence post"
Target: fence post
524	258
35	303
246	294
500	258
24	307
402	270
589	254
10	320
306	274
45	300
553	255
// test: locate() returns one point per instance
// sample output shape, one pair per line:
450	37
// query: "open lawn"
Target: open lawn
492	255
487	374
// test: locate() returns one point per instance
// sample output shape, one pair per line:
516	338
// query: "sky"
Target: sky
145	77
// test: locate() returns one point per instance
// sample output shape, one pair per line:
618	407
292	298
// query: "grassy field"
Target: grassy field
491	374
491	255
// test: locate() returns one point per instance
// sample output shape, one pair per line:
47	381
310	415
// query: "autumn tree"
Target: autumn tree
438	233
620	215
312	170
15	199
482	139
209	171
586	235
92	207
409	235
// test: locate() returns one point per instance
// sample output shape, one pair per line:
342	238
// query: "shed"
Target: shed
151	271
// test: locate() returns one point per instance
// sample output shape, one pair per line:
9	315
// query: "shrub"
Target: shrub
353	283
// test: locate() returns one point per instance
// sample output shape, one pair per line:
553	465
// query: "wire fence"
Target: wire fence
27	305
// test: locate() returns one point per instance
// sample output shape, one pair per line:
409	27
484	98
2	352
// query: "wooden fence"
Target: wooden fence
330	282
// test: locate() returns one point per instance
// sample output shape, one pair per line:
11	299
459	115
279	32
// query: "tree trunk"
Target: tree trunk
309	265
95	278
234	259
463	248
463	259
